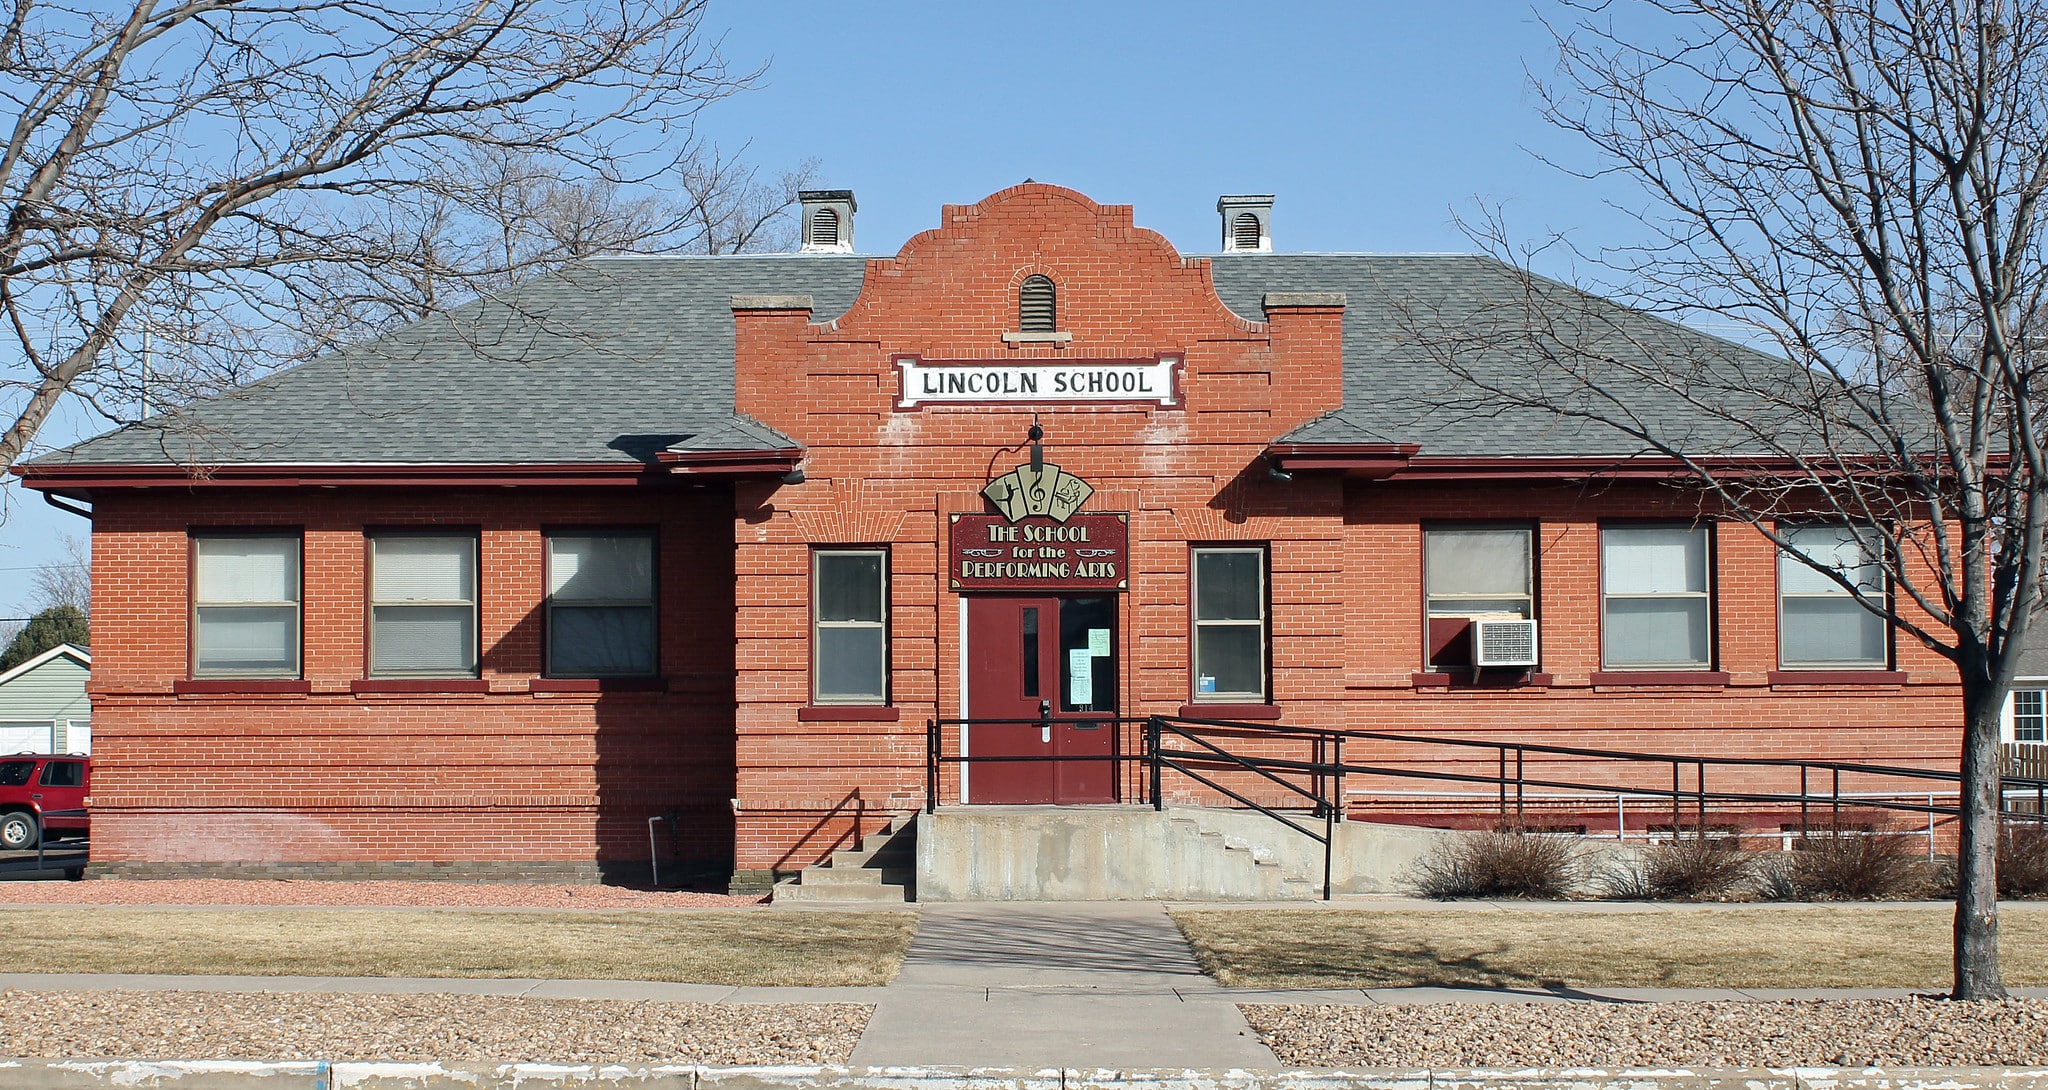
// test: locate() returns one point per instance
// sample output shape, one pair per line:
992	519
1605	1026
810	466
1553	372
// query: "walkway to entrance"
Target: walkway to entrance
1103	984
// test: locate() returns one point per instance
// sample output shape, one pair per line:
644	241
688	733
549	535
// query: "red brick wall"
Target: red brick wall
1346	559
558	780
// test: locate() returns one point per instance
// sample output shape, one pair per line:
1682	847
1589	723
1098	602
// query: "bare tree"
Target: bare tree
195	190
66	582
1854	186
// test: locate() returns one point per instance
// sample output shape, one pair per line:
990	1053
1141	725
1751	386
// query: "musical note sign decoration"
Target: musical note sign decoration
1045	490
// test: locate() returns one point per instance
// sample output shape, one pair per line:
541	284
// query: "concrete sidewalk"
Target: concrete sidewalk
1004	985
1089	985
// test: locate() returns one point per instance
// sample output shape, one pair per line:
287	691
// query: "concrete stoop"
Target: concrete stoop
883	870
83	1074
1112	853
1184	853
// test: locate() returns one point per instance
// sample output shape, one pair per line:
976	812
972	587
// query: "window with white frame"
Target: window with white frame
245	606
850	626
1474	572
423	605
1655	606
2027	713
600	605
1821	623
1230	631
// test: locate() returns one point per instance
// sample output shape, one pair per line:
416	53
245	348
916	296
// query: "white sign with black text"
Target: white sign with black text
933	382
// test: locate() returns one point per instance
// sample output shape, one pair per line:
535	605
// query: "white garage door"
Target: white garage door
17	736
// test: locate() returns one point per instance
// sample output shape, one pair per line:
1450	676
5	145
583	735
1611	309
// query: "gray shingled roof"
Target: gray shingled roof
607	361
1433	344
615	359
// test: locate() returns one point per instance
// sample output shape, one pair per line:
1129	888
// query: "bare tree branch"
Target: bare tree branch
1856	185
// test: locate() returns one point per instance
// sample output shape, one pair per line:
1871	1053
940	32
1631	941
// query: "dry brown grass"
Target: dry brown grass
739	948
1833	947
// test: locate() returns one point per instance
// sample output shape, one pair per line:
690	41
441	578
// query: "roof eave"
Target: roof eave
1357	461
72	478
731	463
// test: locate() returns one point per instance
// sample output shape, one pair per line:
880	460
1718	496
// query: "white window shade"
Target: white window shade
1477	563
1654	560
607	568
422	569
1834	548
227	570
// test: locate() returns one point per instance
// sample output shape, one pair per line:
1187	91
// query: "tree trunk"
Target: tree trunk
1976	931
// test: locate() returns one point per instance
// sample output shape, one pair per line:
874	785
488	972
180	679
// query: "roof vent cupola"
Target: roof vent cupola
828	220
1246	223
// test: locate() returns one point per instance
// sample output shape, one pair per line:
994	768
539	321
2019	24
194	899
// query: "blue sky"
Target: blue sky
1371	122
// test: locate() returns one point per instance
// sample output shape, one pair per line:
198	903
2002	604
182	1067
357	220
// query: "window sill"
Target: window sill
541	685
241	687
1837	677
848	713
1230	711
1661	677
420	685
1441	679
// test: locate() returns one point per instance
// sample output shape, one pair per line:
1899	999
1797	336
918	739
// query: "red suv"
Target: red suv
42	794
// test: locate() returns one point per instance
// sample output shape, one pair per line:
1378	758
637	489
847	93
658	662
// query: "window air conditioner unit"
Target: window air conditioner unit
1503	642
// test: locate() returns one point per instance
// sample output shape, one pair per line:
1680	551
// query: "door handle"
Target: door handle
1045	722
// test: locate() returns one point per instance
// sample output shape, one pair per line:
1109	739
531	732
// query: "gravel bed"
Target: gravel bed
422	1028
345	894
1872	1032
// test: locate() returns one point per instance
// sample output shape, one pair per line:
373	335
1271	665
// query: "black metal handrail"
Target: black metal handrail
1325	770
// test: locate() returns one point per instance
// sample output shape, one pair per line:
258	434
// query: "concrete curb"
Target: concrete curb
322	1075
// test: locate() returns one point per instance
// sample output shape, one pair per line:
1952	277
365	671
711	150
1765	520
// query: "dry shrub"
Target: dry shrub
1852	865
2023	861
1689	868
1499	863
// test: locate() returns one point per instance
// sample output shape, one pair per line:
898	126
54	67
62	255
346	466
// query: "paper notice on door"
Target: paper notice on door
1080	677
1098	642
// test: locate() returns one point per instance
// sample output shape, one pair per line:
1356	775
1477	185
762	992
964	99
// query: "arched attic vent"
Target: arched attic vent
1245	232
1037	305
825	229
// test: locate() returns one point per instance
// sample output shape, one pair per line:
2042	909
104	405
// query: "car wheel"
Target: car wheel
17	831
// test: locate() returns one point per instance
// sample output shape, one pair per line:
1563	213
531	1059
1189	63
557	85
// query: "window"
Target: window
245	606
849	626
1820	622
422	606
16	773
601	605
1230	624
1037	306
1471	573
1655	610
2029	715
64	774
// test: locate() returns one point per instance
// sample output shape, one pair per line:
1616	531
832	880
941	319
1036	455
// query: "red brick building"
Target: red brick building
711	539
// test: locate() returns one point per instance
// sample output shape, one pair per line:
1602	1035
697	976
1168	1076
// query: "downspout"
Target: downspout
61	504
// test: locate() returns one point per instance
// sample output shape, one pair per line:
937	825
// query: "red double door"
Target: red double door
1050	666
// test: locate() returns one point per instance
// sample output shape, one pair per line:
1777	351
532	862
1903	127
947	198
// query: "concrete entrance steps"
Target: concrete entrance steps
1112	853
883	870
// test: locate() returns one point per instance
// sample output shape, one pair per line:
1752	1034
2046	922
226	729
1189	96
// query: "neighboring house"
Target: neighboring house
713	539
43	707
2026	709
